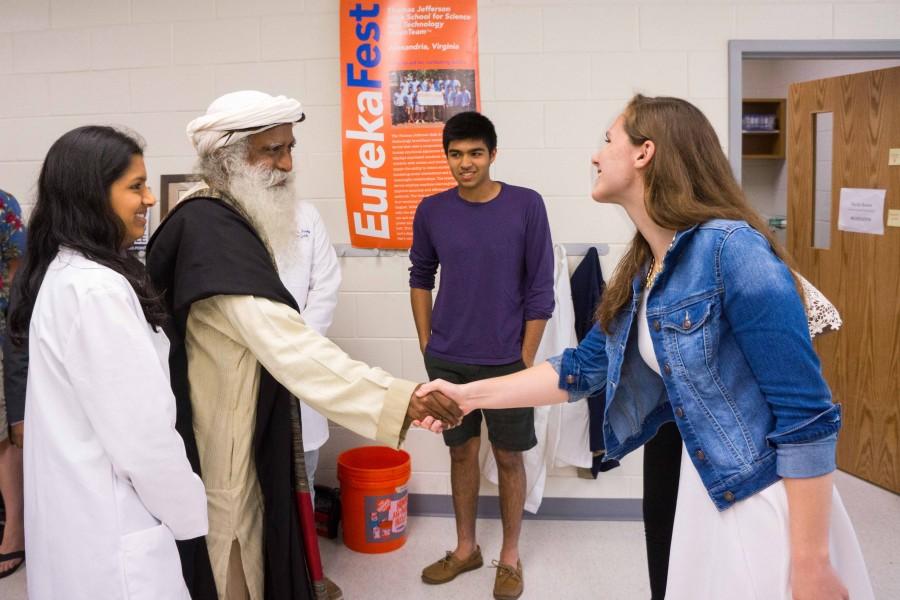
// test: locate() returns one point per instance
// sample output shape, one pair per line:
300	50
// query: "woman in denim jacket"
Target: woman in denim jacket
703	324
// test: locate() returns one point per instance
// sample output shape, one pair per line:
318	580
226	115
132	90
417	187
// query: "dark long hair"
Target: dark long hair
688	182
73	210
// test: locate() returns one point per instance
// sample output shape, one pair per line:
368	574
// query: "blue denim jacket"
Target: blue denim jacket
740	377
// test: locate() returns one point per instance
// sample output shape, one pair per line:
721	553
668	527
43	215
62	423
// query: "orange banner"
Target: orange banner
406	67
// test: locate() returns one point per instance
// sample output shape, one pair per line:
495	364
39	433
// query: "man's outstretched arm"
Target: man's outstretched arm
364	399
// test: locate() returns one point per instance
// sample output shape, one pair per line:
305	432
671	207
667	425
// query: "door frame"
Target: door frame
739	50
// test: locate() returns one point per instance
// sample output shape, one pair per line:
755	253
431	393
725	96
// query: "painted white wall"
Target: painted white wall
554	73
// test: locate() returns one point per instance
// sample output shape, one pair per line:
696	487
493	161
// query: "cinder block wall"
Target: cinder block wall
554	73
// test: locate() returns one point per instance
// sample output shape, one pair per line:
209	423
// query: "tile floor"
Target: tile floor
595	560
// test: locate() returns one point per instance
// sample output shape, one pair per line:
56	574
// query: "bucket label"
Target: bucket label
386	517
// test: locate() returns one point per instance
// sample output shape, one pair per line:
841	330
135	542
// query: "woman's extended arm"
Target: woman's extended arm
809	510
574	374
536	386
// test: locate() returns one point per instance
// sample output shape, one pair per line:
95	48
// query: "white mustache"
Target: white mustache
274	177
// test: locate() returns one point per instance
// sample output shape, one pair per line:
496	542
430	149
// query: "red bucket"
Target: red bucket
374	498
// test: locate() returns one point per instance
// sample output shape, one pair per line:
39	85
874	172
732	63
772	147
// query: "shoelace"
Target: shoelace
506	570
447	559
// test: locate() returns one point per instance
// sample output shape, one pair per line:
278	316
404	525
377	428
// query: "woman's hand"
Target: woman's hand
431	424
457	393
441	412
809	510
816	581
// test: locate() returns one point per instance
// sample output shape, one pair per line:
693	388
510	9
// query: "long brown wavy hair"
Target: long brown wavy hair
688	182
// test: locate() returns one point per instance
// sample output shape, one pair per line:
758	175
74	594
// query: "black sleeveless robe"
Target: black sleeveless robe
205	248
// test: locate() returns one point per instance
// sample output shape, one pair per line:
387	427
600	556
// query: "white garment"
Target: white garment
821	314
108	488
645	342
562	430
743	552
573	434
313	279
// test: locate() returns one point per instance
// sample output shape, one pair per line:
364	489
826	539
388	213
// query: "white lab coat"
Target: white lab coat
108	488
313	279
568	430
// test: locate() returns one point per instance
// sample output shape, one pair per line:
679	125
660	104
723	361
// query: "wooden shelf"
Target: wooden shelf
764	144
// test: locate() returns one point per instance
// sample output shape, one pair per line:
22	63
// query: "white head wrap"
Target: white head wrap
234	116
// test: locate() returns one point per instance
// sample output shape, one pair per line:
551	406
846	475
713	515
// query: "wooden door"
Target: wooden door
859	272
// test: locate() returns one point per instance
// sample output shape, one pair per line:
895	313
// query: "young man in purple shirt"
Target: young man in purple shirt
492	243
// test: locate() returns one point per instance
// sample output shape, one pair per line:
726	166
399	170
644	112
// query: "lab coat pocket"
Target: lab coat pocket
151	564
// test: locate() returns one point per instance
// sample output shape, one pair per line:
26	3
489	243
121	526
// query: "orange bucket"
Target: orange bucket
374	498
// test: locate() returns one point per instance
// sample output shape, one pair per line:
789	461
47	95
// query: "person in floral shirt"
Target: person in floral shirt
12	247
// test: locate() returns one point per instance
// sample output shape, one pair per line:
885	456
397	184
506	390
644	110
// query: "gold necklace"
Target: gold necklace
654	270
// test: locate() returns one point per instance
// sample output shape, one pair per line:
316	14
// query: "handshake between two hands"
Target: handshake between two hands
438	405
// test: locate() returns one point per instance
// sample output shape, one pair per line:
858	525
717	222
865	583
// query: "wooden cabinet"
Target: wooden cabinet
763	128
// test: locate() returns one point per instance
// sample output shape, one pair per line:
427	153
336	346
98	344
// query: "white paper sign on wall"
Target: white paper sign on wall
861	211
894	157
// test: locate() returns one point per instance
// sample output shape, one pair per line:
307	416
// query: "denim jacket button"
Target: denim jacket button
700	455
667	369
679	412
656	326
570	379
729	497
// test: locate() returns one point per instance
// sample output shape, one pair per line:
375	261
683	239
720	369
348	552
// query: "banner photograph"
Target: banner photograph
406	67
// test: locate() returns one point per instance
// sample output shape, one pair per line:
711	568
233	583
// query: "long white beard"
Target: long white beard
268	198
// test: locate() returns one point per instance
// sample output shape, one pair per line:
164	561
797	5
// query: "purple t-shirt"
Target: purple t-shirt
496	262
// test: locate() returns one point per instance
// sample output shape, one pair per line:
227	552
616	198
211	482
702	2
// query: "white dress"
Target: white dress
743	553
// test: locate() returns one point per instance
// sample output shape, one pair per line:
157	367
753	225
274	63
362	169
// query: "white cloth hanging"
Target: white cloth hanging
562	430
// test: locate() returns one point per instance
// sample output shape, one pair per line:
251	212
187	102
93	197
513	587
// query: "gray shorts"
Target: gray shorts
508	428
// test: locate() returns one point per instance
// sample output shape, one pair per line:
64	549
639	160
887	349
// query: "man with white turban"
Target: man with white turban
241	353
306	261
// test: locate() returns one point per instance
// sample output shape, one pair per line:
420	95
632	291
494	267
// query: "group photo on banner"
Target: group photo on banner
406	68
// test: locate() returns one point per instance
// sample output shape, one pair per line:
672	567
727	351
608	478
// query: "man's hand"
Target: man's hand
531	339
434	405
421	300
17	434
455	392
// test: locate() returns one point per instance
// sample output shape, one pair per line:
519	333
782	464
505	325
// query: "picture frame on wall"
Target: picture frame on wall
139	247
173	189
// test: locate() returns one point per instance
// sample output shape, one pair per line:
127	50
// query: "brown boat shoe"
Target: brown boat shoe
447	568
509	584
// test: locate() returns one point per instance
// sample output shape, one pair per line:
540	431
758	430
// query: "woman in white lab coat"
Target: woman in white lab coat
108	488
